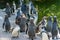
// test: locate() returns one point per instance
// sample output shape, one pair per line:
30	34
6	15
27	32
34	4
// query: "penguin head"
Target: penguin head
50	18
55	17
31	19
44	17
7	4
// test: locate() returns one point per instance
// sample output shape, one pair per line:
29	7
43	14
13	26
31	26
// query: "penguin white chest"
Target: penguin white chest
44	36
15	32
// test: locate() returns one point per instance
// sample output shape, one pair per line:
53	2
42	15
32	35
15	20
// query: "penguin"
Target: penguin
14	7
31	29
15	31
54	28
44	35
6	24
49	27
8	10
23	23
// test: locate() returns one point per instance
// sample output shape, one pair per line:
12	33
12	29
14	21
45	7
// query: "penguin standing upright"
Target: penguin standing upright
8	9
13	7
6	23
23	23
49	27
44	22
55	28
31	29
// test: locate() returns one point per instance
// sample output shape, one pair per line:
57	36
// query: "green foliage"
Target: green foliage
49	9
